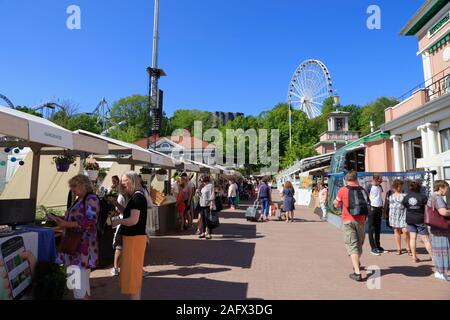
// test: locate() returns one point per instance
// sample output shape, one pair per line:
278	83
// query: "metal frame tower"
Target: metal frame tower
155	96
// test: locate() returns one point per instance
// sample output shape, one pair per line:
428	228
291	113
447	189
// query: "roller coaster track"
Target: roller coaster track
8	102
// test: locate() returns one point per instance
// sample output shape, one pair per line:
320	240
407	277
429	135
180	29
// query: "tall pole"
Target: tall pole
155	73
290	125
155	35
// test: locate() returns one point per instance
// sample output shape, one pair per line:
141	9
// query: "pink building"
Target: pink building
420	124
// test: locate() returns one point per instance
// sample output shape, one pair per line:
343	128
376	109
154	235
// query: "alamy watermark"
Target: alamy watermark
231	146
374	19
73	21
373	278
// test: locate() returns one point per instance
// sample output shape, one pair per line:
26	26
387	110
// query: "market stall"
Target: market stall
20	130
162	218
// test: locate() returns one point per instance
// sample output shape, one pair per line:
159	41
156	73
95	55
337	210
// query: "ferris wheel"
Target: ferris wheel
310	85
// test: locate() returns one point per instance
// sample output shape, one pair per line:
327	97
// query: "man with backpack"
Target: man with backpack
354	202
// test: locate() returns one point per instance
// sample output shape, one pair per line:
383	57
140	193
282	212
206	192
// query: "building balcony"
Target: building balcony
339	136
434	88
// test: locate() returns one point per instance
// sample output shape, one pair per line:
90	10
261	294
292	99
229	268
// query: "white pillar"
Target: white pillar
398	154
432	134
423	132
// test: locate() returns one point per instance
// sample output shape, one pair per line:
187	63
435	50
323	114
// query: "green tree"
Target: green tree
374	110
84	122
134	110
28	110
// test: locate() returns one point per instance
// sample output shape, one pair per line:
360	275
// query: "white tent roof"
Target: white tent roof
34	129
118	147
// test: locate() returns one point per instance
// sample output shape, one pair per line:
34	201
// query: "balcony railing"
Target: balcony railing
435	87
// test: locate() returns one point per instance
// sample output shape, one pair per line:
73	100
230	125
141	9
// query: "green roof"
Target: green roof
423	18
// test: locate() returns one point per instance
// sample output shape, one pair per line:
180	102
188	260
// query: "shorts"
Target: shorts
421	229
354	235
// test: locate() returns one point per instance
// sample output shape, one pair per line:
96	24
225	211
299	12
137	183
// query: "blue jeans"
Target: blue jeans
265	206
204	213
232	201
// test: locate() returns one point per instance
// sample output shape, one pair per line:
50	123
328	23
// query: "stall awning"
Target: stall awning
163	160
33	129
120	149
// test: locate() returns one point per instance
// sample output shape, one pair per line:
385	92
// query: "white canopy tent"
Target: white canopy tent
20	129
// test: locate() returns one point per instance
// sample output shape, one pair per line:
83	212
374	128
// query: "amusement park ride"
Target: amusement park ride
48	109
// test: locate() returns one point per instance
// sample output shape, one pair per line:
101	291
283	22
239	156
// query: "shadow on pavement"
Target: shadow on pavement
409	271
154	288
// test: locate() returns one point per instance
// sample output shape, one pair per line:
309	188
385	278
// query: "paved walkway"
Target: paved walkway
272	260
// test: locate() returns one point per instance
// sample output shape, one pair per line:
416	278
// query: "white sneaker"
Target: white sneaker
114	272
441	276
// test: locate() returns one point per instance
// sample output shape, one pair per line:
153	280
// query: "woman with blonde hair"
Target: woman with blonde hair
134	237
81	219
289	201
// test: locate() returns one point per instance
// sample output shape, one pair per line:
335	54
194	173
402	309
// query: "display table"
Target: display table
162	220
46	242
30	240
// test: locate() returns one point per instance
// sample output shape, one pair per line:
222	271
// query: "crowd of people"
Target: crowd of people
403	211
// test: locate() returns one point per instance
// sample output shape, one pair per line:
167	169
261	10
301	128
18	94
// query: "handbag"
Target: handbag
213	221
434	219
70	242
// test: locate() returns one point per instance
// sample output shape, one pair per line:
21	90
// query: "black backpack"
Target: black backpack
358	201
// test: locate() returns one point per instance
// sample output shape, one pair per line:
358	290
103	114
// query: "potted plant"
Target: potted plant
146	173
102	173
63	162
92	169
161	174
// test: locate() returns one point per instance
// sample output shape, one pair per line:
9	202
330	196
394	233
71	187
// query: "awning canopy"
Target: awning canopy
35	130
120	151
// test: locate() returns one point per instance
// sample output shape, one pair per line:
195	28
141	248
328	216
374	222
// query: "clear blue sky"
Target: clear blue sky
227	55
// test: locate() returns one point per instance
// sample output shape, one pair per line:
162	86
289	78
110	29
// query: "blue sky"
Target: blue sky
220	55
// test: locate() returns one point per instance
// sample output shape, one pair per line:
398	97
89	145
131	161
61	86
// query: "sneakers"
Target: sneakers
356	277
115	272
381	250
375	252
441	276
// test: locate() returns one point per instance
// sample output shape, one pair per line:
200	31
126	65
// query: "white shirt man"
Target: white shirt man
232	189
376	196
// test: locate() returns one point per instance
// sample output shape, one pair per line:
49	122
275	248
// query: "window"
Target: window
339	124
413	151
165	145
447	173
445	140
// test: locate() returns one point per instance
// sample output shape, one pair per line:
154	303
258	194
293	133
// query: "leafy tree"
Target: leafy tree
134	110
84	122
28	110
374	110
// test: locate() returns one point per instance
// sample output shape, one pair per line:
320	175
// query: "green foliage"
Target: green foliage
375	109
28	110
84	122
49	281
134	110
